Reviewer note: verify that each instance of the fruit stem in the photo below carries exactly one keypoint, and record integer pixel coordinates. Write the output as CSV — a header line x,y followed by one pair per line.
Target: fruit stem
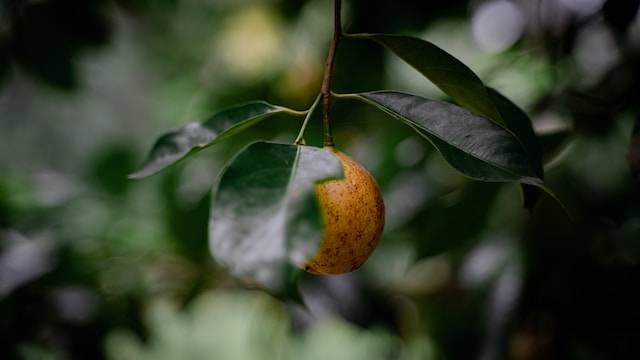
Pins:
x,y
300,138
328,73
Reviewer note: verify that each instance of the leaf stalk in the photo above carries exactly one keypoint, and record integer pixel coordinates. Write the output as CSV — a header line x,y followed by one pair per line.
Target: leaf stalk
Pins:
x,y
300,138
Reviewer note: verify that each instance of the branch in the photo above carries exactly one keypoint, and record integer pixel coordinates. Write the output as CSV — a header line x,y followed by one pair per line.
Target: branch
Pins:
x,y
328,73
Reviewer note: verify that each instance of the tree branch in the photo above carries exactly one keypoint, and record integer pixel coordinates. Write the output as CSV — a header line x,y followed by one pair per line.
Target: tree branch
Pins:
x,y
328,73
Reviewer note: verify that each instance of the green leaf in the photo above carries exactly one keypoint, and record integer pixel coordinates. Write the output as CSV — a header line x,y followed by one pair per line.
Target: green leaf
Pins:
x,y
173,146
519,123
452,76
265,218
475,146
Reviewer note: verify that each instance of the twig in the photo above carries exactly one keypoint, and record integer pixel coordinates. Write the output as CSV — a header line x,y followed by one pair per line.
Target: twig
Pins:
x,y
328,73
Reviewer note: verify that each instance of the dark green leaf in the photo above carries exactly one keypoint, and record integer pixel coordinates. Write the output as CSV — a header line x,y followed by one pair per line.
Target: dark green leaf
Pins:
x,y
265,218
519,123
448,73
475,146
195,136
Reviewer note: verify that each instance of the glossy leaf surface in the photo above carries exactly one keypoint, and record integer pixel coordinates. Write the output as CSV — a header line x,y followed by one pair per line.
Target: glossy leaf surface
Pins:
x,y
475,146
265,218
452,76
173,146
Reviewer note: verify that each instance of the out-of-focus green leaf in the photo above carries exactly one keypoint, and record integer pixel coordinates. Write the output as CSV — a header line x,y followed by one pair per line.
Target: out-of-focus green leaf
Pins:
x,y
452,76
239,325
265,216
519,123
458,226
195,136
475,146
110,167
334,339
250,325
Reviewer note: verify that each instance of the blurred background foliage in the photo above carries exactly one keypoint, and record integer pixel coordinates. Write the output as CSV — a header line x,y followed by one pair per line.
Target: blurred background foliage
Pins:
x,y
95,266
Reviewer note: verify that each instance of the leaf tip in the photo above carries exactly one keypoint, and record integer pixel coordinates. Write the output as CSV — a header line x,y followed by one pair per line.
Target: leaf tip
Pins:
x,y
541,185
141,173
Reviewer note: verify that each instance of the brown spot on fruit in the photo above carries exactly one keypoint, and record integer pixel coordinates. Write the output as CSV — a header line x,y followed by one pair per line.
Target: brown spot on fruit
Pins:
x,y
309,268
353,212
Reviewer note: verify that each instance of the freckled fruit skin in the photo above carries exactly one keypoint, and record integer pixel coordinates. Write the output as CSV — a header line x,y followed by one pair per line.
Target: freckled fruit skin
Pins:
x,y
353,212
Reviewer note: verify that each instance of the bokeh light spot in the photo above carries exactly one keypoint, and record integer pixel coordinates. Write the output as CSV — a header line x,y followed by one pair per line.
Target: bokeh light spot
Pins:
x,y
497,25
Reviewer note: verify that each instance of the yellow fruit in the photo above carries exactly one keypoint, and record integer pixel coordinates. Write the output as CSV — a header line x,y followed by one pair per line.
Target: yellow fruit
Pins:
x,y
353,213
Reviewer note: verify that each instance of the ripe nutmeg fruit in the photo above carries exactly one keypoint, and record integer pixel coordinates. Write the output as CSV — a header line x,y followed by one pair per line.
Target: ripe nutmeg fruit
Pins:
x,y
353,212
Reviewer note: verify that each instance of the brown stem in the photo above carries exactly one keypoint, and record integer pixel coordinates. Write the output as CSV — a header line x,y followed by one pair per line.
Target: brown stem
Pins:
x,y
328,73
